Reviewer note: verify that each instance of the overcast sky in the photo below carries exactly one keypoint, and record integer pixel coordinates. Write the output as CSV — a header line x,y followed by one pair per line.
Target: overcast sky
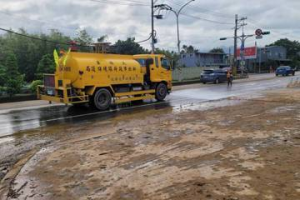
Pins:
x,y
119,19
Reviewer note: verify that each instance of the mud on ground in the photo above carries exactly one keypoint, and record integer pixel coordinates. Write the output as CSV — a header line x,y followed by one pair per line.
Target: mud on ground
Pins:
x,y
249,150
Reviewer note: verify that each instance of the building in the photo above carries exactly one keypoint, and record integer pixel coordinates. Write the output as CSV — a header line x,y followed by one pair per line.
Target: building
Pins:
x,y
263,59
200,59
268,58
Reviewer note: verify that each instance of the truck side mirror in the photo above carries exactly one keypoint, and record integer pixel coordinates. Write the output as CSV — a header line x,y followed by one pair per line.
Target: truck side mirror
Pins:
x,y
173,64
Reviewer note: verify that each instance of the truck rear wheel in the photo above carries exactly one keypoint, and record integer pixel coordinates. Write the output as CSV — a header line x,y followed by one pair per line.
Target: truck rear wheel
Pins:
x,y
102,99
161,92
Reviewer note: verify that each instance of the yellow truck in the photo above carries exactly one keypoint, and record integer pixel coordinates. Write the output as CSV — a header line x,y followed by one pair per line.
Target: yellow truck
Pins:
x,y
105,79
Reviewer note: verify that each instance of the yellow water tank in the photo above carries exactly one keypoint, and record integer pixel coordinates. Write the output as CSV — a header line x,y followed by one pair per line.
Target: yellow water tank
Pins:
x,y
94,69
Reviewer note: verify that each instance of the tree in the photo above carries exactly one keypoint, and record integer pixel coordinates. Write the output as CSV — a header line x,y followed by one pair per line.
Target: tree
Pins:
x,y
14,80
128,47
188,49
171,55
2,75
217,50
83,38
293,49
30,51
102,38
45,66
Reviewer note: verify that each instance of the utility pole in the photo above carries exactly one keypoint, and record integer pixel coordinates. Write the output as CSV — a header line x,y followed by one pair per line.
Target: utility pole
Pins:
x,y
152,27
259,69
238,24
235,45
243,40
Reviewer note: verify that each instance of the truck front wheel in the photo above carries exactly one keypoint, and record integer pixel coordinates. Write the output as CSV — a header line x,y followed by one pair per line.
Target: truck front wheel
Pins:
x,y
161,92
102,99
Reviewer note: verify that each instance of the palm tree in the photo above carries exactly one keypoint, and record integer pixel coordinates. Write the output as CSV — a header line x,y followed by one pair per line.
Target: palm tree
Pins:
x,y
102,38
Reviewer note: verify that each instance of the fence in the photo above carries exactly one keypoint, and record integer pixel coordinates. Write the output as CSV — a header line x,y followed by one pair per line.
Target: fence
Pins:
x,y
188,73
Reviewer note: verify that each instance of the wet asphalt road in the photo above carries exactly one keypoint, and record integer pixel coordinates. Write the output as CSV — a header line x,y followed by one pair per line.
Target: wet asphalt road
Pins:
x,y
19,122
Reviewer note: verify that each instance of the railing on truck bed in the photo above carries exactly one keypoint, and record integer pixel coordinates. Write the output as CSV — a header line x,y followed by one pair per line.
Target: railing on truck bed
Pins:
x,y
63,93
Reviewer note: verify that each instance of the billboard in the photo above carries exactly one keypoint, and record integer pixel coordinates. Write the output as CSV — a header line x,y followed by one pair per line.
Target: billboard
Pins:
x,y
249,53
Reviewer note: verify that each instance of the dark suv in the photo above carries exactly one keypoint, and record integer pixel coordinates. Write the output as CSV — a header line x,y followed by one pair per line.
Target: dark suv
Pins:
x,y
213,76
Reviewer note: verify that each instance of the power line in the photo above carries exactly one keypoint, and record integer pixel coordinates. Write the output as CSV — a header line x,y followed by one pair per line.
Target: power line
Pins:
x,y
57,43
204,10
208,20
37,38
125,3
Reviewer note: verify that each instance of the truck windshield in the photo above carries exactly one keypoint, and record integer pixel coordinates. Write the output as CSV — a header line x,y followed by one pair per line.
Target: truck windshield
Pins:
x,y
165,64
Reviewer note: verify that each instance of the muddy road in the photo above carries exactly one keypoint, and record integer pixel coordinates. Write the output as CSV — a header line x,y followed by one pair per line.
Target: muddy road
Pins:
x,y
202,143
14,121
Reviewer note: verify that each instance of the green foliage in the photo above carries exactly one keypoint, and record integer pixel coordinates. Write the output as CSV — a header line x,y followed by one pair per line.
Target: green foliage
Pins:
x,y
188,49
171,55
2,90
296,62
128,47
83,39
14,80
28,51
102,38
34,84
45,66
217,50
2,75
293,49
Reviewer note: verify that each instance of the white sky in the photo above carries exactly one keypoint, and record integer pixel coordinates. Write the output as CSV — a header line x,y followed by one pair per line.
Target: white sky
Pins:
x,y
119,21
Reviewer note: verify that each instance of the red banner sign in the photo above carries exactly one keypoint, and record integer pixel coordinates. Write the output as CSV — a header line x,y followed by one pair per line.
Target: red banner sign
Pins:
x,y
249,53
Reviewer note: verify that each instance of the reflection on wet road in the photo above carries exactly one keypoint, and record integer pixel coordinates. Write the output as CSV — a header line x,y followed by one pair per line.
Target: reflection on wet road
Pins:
x,y
14,122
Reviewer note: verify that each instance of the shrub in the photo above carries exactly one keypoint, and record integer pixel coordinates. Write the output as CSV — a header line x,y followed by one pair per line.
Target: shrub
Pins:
x,y
34,84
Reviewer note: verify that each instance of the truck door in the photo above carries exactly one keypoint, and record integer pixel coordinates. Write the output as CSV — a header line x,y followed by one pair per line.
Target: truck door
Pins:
x,y
160,70
165,69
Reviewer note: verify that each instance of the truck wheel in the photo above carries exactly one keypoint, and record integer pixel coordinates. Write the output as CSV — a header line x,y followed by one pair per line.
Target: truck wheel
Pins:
x,y
161,92
102,99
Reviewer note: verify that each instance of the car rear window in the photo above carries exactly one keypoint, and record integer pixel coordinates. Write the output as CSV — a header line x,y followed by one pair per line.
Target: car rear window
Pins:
x,y
207,71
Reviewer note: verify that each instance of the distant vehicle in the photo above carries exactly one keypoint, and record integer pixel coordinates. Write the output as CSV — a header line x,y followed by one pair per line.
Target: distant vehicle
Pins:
x,y
285,71
213,76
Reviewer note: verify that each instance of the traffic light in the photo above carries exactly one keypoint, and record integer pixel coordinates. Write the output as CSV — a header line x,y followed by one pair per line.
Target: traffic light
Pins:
x,y
266,33
223,38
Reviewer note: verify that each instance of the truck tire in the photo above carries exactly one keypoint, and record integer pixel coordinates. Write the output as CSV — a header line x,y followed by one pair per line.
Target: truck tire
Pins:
x,y
102,99
161,92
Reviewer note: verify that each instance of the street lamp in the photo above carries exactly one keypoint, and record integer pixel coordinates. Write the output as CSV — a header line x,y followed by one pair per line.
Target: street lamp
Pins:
x,y
177,13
